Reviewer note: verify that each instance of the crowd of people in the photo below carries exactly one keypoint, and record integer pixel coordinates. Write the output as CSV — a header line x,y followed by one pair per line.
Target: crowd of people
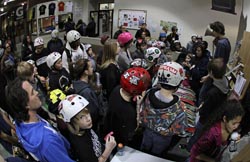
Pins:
x,y
65,102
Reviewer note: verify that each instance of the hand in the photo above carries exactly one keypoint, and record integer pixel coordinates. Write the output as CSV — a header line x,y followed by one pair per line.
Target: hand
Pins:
x,y
110,143
204,79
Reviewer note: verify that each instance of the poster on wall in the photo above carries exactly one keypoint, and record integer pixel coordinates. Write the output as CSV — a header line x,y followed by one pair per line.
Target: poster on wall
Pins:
x,y
167,24
132,19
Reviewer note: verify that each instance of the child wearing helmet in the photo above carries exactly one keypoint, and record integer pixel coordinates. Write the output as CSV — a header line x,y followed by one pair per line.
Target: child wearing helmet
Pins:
x,y
82,72
122,114
55,44
124,58
85,142
74,49
91,55
39,57
162,114
58,78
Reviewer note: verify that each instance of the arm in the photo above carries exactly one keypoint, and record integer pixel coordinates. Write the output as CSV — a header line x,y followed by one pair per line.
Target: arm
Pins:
x,y
205,158
56,152
110,145
65,61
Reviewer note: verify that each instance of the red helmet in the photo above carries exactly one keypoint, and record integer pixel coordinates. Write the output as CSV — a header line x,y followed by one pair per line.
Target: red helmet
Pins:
x,y
124,38
135,80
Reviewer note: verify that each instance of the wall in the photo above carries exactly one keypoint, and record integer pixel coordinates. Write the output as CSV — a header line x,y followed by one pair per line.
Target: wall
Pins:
x,y
192,17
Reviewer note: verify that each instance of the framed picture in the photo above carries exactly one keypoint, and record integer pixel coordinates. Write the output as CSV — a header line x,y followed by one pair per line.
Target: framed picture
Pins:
x,y
132,19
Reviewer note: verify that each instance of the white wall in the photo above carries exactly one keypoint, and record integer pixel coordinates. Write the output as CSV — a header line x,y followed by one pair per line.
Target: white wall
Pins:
x,y
192,17
246,11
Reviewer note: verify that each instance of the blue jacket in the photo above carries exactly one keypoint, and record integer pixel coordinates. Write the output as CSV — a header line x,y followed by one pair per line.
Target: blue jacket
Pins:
x,y
43,142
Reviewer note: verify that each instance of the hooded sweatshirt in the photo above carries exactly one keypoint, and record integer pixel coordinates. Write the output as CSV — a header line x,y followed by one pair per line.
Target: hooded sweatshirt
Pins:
x,y
43,142
162,117
82,88
213,99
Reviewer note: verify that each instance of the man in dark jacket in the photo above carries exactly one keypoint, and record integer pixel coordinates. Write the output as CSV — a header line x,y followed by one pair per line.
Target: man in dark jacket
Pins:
x,y
142,29
214,97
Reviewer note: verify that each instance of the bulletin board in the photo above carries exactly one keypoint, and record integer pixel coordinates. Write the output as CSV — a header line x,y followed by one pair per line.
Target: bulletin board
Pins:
x,y
132,19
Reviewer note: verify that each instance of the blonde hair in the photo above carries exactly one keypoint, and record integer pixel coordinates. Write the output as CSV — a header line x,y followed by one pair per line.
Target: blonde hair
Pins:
x,y
73,127
25,70
109,52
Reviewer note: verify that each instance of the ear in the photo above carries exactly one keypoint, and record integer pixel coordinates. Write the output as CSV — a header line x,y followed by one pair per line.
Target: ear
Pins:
x,y
224,119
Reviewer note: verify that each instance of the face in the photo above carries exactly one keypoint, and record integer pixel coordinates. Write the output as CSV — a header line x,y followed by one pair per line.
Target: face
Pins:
x,y
143,35
198,52
28,39
187,59
74,45
232,125
163,39
169,55
34,101
123,28
83,120
39,49
143,47
58,64
7,47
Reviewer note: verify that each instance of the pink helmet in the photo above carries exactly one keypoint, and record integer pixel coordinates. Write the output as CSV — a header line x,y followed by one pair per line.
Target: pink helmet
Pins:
x,y
124,38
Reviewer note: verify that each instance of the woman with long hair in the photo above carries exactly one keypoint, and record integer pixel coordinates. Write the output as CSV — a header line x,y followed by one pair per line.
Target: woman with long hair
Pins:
x,y
110,72
215,134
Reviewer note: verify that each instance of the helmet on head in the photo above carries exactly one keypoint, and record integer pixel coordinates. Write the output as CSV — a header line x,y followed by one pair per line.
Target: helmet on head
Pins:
x,y
54,33
163,35
138,62
73,35
32,62
52,58
170,73
135,80
159,44
124,38
55,97
71,106
38,41
87,46
152,53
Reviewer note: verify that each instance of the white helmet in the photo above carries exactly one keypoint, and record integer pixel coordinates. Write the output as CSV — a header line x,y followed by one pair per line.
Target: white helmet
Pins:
x,y
32,62
71,106
54,33
170,73
152,53
159,44
38,41
87,46
52,58
73,35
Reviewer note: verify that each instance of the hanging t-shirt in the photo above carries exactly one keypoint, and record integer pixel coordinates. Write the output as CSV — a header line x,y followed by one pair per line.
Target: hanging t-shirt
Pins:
x,y
52,7
68,6
61,6
42,9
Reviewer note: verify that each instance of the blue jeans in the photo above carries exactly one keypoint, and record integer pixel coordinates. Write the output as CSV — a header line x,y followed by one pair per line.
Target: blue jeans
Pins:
x,y
154,142
195,137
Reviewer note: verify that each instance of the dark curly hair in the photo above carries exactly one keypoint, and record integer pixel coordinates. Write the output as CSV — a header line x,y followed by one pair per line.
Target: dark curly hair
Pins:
x,y
17,99
218,27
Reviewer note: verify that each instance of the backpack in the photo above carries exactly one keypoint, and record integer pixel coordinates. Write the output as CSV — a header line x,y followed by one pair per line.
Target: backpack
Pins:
x,y
69,53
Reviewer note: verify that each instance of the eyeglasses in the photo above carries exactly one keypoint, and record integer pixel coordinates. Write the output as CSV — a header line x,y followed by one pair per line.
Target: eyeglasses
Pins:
x,y
7,46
